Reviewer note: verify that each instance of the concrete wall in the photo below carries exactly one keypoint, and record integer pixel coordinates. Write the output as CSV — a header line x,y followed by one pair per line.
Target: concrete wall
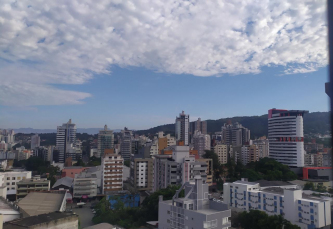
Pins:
x,y
65,223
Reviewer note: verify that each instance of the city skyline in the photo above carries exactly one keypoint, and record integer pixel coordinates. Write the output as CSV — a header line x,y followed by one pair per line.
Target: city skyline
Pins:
x,y
147,68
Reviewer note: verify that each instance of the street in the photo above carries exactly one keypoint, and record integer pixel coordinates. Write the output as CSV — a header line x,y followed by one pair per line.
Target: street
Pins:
x,y
85,214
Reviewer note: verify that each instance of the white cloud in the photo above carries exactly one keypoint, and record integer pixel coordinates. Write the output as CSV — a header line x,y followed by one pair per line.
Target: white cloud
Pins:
x,y
67,42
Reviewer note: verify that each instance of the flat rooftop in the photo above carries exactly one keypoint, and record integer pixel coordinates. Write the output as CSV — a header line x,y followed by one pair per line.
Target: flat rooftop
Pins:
x,y
36,203
34,181
35,220
266,183
6,208
244,182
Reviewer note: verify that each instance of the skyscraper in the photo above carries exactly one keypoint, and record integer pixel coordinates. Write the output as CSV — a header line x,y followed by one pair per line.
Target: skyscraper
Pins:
x,y
126,144
35,141
105,140
286,137
182,128
66,136
235,134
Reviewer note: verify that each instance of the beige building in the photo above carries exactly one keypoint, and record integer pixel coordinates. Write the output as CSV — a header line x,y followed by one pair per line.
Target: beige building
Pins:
x,y
222,153
30,185
209,170
250,153
112,175
141,173
318,160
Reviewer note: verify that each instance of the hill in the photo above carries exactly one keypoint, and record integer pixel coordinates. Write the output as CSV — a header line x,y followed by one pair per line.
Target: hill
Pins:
x,y
315,122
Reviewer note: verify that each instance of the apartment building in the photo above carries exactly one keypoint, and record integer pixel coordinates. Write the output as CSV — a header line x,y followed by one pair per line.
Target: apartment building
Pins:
x,y
11,178
31,185
222,152
24,154
303,210
250,153
235,134
126,144
209,170
327,159
105,140
112,176
142,172
318,160
263,147
286,136
85,184
195,211
177,168
309,159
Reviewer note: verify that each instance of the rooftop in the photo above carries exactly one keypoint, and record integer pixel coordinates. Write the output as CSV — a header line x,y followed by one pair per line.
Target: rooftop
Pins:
x,y
103,226
245,182
35,220
7,208
36,203
266,183
274,190
33,181
66,181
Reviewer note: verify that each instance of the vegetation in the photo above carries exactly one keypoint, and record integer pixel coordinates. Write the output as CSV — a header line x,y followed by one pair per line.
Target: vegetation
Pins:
x,y
256,219
265,168
127,163
319,188
132,217
94,161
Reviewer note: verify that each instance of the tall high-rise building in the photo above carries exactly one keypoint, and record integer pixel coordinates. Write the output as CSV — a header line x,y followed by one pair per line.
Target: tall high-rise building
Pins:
x,y
235,134
126,144
112,174
105,140
286,137
35,141
66,136
198,126
182,128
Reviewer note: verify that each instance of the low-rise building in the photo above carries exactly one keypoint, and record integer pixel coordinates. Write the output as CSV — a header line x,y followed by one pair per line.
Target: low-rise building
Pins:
x,y
30,185
72,171
194,211
298,208
64,183
85,185
63,220
37,203
11,178
8,211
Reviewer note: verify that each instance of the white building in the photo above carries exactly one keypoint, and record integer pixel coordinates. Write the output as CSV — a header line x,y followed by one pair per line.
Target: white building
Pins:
x,y
66,137
105,140
286,137
303,210
182,128
35,141
85,184
11,178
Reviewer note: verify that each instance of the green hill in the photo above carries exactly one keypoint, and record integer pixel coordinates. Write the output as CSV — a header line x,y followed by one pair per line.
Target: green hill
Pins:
x,y
316,122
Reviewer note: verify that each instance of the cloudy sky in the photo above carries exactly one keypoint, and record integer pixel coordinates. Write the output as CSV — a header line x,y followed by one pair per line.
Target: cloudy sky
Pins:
x,y
139,63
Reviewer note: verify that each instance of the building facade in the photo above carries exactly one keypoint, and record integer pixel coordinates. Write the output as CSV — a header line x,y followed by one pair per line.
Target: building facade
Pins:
x,y
250,153
11,178
85,184
235,134
195,211
142,173
112,176
66,137
222,151
263,147
286,137
105,141
182,128
126,144
303,210
35,141
30,185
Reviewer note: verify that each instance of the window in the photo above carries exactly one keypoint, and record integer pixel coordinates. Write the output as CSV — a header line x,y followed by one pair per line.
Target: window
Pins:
x,y
8,183
8,178
13,183
18,178
299,202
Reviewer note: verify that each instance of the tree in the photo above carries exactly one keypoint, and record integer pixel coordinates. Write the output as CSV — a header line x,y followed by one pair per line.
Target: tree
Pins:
x,y
321,188
309,186
80,163
127,163
33,163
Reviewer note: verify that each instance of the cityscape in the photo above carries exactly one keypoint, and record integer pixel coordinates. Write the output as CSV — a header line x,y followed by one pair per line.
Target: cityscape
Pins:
x,y
166,114
222,174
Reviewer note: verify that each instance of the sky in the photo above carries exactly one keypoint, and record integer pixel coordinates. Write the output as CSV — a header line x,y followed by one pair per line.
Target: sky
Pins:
x,y
140,63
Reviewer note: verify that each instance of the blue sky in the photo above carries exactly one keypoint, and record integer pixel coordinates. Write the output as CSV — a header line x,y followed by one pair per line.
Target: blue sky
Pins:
x,y
140,98
140,63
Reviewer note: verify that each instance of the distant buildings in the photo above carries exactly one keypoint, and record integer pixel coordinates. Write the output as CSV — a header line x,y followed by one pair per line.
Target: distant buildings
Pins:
x,y
182,128
66,137
105,141
194,211
263,147
286,137
197,126
249,153
279,199
235,134
35,141
112,175
8,136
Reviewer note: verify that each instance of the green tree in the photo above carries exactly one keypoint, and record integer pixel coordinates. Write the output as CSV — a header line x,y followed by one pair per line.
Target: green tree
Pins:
x,y
308,186
127,163
33,163
80,163
321,188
